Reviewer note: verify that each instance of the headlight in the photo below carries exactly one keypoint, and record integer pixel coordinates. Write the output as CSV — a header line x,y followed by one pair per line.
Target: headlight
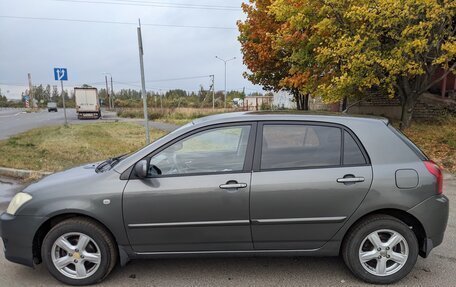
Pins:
x,y
18,200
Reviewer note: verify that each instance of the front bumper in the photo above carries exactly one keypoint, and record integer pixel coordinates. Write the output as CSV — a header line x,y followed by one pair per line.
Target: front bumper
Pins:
x,y
433,215
17,233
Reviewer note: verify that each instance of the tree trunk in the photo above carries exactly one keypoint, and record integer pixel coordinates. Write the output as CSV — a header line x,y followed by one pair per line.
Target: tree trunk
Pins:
x,y
408,105
306,102
302,101
344,103
409,95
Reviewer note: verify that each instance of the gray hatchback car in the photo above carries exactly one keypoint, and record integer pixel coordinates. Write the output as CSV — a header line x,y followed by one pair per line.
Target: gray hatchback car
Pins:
x,y
239,184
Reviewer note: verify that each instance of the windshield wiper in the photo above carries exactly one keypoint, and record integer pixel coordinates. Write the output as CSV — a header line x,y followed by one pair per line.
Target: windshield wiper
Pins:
x,y
109,163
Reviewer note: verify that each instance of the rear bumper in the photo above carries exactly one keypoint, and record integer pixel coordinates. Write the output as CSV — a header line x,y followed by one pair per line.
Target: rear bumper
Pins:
x,y
91,114
17,233
433,215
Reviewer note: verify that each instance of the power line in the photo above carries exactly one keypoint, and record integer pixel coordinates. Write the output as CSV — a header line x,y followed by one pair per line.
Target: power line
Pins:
x,y
13,84
178,79
133,83
157,4
114,22
183,4
166,80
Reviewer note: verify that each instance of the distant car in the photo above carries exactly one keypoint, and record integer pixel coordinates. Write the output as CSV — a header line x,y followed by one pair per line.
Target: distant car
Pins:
x,y
52,107
239,184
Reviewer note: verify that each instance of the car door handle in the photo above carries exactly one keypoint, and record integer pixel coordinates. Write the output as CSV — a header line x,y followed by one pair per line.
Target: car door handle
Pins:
x,y
350,179
233,185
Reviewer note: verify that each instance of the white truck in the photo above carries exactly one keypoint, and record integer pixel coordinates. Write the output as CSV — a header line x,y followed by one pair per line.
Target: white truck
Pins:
x,y
87,103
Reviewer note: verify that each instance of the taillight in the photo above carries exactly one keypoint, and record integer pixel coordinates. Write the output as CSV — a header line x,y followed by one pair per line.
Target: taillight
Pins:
x,y
435,170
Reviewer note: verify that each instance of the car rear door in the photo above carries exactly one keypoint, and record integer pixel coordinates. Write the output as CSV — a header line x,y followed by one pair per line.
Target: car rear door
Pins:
x,y
200,202
308,179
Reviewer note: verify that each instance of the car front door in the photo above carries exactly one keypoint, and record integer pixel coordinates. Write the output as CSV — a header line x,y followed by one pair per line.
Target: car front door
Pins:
x,y
197,195
307,181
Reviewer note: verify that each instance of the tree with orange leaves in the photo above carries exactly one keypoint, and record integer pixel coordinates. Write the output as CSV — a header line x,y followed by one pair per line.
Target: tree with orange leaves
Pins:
x,y
268,56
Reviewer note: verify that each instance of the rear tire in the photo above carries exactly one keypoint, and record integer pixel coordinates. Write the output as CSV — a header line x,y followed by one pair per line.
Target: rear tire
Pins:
x,y
79,251
380,249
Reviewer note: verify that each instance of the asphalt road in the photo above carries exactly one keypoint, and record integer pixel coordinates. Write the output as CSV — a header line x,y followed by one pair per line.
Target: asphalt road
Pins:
x,y
14,121
437,270
17,120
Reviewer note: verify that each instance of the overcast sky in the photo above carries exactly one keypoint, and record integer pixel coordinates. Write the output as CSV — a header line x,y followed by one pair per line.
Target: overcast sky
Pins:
x,y
89,49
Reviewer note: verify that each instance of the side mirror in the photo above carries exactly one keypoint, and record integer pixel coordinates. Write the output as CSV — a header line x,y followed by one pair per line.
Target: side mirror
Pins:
x,y
142,168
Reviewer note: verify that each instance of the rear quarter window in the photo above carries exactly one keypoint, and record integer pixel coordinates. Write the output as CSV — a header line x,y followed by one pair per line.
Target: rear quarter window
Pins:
x,y
409,143
352,152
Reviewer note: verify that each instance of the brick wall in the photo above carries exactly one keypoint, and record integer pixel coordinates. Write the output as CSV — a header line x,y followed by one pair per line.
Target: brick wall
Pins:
x,y
429,106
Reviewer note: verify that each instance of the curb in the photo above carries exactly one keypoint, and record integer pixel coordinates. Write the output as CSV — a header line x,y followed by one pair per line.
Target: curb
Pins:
x,y
22,173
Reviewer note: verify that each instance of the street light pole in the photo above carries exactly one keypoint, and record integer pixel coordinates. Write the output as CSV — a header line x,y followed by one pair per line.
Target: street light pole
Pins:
x,y
213,92
224,61
107,90
110,95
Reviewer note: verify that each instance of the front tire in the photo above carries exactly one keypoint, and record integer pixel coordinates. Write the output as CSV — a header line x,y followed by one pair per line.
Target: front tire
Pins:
x,y
380,249
79,251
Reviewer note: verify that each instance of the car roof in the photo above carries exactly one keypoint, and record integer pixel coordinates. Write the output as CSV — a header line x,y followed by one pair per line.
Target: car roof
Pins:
x,y
286,116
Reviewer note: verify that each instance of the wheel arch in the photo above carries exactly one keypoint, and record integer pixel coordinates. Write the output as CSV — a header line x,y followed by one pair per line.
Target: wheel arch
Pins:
x,y
46,226
414,224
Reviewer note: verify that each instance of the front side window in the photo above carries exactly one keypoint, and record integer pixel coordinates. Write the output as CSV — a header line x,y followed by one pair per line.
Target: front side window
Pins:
x,y
299,146
216,150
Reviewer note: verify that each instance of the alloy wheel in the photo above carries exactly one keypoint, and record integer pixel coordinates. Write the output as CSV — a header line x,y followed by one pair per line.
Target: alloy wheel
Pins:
x,y
383,252
76,255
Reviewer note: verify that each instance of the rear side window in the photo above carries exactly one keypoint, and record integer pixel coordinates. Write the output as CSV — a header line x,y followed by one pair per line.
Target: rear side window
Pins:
x,y
409,143
352,152
298,146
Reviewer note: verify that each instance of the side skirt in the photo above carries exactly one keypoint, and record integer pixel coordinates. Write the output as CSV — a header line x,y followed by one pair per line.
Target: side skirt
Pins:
x,y
329,249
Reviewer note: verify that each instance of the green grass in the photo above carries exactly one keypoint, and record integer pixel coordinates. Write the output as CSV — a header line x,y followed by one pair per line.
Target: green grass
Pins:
x,y
57,148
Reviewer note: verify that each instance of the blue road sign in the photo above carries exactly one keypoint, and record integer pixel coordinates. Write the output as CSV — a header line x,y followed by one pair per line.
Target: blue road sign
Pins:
x,y
60,74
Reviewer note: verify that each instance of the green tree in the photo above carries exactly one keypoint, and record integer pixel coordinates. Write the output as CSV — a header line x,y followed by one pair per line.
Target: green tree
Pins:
x,y
102,95
69,103
372,47
55,94
3,99
38,94
47,93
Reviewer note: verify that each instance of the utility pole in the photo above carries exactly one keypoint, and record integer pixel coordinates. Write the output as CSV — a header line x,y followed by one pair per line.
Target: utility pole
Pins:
x,y
213,92
107,91
112,94
30,90
224,61
143,83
